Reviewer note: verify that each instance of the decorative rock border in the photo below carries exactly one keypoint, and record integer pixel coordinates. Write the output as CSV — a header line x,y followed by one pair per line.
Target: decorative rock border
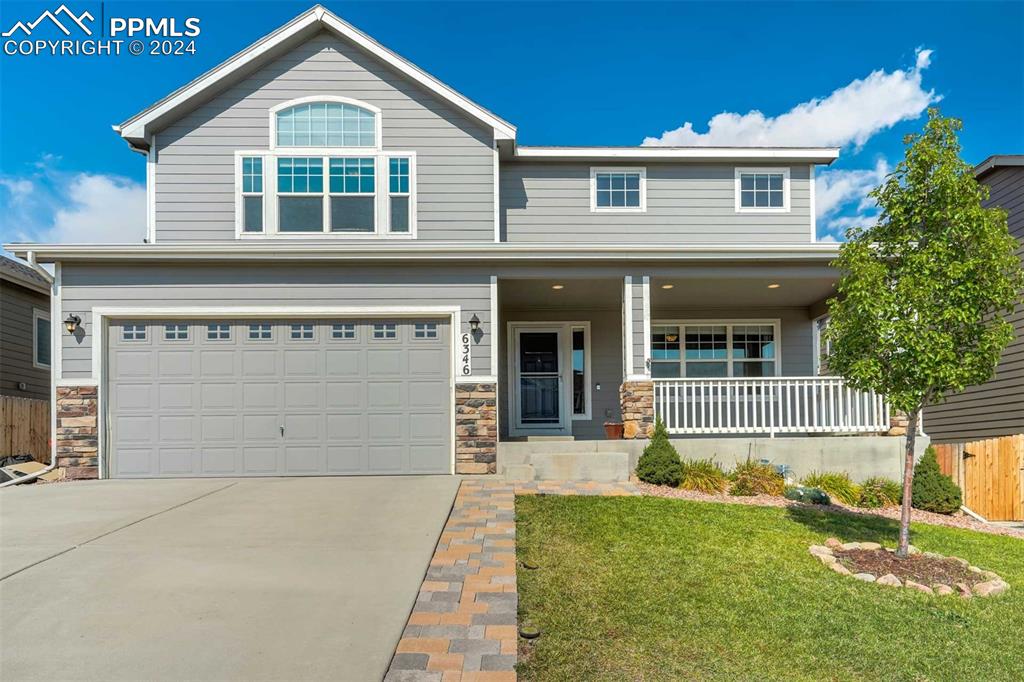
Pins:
x,y
992,585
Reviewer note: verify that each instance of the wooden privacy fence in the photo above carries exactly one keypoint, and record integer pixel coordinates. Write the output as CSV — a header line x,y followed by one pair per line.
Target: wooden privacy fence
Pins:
x,y
26,427
991,474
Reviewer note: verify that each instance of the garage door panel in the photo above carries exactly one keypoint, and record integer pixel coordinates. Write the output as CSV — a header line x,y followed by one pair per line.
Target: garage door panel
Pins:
x,y
354,397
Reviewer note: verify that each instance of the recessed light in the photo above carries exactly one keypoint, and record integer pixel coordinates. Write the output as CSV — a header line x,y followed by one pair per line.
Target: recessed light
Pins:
x,y
557,287
774,286
667,286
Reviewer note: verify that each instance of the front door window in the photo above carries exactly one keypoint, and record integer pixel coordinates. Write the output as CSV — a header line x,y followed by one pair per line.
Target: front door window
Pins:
x,y
539,378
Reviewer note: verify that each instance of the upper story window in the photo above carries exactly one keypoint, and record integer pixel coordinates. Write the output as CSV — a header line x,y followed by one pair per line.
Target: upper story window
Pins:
x,y
762,190
326,124
618,190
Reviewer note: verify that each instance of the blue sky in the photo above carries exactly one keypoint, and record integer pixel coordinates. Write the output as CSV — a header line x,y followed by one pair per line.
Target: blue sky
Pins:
x,y
857,75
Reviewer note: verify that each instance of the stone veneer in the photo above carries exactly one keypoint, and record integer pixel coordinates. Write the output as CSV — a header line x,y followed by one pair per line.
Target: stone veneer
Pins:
x,y
898,423
77,435
476,428
637,401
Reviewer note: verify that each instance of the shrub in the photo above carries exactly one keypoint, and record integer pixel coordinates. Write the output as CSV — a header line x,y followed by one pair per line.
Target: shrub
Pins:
x,y
752,478
703,475
802,493
932,491
836,483
659,464
879,492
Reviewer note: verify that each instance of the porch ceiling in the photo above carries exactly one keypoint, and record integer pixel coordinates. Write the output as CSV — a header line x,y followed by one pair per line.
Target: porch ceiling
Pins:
x,y
739,292
581,294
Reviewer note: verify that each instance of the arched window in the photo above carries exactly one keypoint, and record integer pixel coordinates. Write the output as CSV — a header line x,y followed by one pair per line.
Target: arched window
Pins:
x,y
326,124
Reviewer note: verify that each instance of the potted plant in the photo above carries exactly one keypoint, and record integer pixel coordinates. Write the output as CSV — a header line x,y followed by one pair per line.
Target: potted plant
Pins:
x,y
613,430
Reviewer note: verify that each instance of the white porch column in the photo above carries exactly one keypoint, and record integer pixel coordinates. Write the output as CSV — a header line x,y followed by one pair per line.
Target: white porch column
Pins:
x,y
636,395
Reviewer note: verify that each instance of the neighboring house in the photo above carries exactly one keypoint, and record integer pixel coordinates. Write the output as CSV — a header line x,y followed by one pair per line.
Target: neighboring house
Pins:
x,y
24,331
995,408
353,269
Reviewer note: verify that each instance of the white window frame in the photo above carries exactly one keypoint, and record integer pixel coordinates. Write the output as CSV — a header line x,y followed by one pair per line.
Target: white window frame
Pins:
x,y
594,170
37,315
743,170
318,151
188,332
729,360
242,194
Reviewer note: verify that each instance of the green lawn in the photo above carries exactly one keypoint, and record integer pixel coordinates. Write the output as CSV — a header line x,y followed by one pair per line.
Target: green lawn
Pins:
x,y
647,588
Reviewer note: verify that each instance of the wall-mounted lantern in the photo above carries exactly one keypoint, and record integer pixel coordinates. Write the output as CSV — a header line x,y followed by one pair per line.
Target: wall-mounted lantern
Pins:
x,y
71,323
474,324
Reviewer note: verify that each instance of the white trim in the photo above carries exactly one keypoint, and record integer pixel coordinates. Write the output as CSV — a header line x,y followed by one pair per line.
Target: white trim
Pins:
x,y
497,194
77,382
588,371
564,330
816,341
775,170
594,208
57,325
151,161
135,127
814,211
378,129
647,324
627,335
805,154
102,315
38,314
495,323
280,250
728,323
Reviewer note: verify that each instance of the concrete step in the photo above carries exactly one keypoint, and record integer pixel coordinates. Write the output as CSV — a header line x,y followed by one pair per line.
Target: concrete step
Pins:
x,y
550,439
603,467
519,472
514,451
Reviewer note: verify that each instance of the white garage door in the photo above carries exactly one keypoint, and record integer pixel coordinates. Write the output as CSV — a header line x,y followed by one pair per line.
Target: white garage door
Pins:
x,y
278,397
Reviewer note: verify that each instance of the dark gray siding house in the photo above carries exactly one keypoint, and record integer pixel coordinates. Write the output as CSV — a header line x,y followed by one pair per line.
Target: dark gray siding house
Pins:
x,y
24,331
995,408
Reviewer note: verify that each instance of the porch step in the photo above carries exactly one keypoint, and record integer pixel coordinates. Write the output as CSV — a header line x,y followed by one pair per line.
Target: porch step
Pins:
x,y
602,467
550,439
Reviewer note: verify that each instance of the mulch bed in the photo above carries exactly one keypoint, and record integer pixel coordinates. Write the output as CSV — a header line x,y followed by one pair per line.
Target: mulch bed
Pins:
x,y
920,568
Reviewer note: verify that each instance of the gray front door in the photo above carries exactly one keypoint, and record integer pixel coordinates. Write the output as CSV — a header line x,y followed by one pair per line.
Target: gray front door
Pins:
x,y
278,397
539,397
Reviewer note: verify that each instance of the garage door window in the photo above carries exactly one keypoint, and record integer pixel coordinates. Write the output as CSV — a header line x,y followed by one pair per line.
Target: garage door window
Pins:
x,y
260,332
385,331
427,330
302,332
344,330
218,332
133,332
176,332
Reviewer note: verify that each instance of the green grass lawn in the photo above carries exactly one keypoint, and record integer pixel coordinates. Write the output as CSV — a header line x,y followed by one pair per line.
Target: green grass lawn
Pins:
x,y
647,588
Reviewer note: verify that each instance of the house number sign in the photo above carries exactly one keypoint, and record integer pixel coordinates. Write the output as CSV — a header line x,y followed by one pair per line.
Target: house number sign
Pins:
x,y
465,356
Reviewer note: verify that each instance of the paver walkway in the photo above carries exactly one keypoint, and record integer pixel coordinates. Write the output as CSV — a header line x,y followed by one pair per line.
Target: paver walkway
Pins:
x,y
463,626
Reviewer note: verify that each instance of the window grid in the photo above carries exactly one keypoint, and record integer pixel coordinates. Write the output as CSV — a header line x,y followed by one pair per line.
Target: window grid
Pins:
x,y
425,330
343,330
352,176
385,331
398,175
300,175
617,190
176,332
262,331
218,331
714,350
252,175
302,331
133,332
762,190
326,124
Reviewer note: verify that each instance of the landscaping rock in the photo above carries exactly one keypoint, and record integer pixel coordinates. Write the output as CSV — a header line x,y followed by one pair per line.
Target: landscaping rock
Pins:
x,y
912,550
918,586
932,555
964,589
870,545
847,546
826,558
991,588
890,580
866,577
833,543
839,568
942,590
820,549
963,562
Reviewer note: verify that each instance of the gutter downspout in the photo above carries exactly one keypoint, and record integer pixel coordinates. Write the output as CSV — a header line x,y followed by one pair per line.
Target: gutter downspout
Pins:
x,y
54,339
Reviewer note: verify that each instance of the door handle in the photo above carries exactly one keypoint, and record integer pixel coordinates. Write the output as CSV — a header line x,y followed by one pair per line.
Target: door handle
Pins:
x,y
282,429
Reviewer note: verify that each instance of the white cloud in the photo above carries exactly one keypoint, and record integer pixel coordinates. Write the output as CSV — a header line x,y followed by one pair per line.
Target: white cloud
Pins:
x,y
850,114
54,206
841,198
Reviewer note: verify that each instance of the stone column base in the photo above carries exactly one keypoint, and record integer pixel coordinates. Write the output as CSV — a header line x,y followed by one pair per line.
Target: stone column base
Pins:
x,y
637,401
898,423
476,428
77,436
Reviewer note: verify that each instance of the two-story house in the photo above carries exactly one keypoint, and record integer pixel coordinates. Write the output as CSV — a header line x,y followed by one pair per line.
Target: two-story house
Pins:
x,y
353,269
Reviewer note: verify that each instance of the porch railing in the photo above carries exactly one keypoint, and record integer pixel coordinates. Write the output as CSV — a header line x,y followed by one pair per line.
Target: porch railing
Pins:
x,y
768,405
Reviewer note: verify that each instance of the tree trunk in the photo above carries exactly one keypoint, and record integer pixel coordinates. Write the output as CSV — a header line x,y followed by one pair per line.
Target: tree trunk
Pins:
x,y
908,481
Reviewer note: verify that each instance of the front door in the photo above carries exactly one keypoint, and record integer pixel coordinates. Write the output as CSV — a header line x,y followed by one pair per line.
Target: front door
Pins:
x,y
539,400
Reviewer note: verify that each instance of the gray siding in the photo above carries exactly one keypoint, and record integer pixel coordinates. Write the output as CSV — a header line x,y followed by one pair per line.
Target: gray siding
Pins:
x,y
16,342
195,167
686,204
639,336
309,285
995,408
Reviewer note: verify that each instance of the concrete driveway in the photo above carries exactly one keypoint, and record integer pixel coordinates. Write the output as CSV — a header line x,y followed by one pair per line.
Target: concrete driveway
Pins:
x,y
257,579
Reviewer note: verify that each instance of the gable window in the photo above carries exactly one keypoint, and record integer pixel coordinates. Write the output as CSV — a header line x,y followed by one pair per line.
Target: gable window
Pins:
x,y
300,189
352,184
618,190
762,190
326,124
252,194
176,332
40,339
398,194
714,349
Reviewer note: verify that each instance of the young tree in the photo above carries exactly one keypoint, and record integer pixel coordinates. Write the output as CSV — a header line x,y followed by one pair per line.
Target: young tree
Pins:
x,y
922,299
